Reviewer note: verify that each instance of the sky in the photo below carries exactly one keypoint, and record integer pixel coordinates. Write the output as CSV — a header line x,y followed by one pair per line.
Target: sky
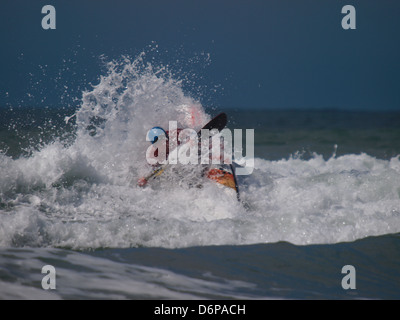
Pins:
x,y
269,54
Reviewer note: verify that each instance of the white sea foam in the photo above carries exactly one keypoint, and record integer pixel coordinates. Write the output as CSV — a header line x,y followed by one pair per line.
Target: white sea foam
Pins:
x,y
85,195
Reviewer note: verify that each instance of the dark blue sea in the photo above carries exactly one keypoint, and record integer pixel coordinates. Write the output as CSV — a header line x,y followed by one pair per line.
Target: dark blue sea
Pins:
x,y
324,194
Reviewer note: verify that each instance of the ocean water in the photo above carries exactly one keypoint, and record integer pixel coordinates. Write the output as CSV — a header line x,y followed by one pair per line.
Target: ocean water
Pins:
x,y
324,193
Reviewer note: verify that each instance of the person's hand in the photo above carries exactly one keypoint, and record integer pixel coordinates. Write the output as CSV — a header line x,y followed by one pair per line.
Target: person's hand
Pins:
x,y
142,182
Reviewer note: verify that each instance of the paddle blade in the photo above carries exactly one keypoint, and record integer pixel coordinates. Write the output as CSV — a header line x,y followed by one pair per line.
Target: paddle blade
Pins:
x,y
219,122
